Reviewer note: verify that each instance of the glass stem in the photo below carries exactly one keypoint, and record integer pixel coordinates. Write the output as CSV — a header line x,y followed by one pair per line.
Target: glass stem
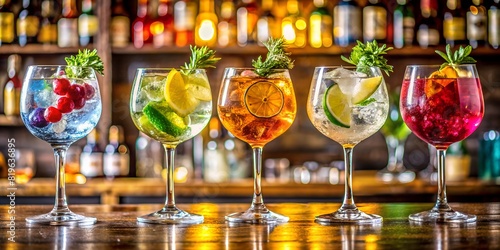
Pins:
x,y
442,202
400,151
348,203
392,147
61,204
169,161
257,173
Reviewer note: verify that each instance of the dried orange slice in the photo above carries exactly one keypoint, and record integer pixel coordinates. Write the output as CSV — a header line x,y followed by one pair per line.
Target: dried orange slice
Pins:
x,y
264,99
440,79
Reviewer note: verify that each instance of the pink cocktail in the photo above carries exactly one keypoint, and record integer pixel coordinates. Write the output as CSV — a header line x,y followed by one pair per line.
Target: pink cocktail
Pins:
x,y
441,109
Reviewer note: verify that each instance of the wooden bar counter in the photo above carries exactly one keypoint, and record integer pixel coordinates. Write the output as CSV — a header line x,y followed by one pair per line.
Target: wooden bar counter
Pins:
x,y
117,229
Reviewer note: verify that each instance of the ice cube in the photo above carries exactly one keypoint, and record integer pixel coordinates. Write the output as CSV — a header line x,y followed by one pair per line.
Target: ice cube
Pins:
x,y
346,79
45,98
154,89
60,126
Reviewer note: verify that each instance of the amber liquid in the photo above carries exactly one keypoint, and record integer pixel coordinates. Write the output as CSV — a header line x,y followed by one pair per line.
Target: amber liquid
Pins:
x,y
237,119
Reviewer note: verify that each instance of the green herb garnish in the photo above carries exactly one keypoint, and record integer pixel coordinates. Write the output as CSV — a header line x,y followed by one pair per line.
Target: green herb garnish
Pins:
x,y
85,58
200,58
460,56
276,58
369,55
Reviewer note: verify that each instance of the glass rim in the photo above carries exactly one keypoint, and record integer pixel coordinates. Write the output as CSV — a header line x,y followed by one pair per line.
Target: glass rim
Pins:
x,y
58,65
341,66
438,65
162,68
249,68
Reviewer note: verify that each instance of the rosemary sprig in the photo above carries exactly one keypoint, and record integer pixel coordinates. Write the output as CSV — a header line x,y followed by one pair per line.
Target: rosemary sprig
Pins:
x,y
460,56
369,55
85,58
200,58
277,58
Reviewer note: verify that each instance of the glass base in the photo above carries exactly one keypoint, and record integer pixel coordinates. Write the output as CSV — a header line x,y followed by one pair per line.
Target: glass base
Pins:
x,y
261,215
67,218
353,216
406,176
436,216
171,216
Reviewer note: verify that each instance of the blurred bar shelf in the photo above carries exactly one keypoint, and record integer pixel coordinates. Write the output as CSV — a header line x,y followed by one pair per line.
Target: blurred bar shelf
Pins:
x,y
38,49
366,189
10,121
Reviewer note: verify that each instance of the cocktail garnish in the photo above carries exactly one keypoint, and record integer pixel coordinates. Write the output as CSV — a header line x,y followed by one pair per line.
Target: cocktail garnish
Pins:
x,y
460,56
85,58
200,58
369,55
277,58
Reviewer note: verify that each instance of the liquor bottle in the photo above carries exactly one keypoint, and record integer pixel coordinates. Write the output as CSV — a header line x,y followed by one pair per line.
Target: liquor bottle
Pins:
x,y
91,156
267,24
215,168
119,32
226,29
141,25
7,32
320,26
404,24
184,22
494,24
454,23
346,23
88,24
294,25
67,26
149,155
12,87
116,154
458,162
476,24
375,21
28,22
206,25
247,15
48,25
428,31
162,29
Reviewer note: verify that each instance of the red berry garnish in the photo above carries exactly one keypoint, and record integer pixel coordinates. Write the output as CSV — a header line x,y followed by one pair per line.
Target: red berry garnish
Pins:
x,y
61,86
65,104
52,114
79,103
76,92
89,91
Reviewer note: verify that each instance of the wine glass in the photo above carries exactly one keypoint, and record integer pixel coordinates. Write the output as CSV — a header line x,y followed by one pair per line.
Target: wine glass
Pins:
x,y
170,107
60,108
348,106
440,111
256,110
395,133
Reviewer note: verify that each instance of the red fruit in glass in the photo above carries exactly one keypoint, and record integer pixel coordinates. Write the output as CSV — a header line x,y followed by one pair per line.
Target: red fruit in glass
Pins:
x,y
89,91
79,103
76,92
61,86
65,104
52,114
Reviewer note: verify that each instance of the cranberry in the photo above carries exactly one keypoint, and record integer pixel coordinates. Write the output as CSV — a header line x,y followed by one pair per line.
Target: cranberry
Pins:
x,y
79,103
52,114
65,104
61,86
76,92
89,91
36,118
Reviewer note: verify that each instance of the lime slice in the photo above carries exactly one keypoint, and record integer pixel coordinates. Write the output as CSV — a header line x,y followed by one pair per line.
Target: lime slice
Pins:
x,y
176,95
365,89
163,119
336,107
264,99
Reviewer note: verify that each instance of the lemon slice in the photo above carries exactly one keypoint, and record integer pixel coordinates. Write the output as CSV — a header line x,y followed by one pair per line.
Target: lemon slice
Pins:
x,y
264,99
364,89
197,85
163,120
336,107
177,96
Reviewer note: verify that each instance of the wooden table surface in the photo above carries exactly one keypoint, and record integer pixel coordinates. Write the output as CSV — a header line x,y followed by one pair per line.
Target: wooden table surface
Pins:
x,y
117,229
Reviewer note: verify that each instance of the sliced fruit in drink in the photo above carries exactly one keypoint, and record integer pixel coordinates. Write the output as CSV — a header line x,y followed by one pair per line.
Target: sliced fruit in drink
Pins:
x,y
177,96
336,107
163,119
365,88
264,99
446,72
